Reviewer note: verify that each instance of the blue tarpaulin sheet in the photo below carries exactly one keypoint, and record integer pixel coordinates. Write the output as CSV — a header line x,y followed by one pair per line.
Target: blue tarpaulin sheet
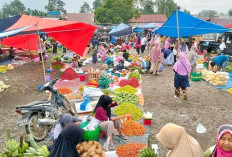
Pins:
x,y
120,30
188,26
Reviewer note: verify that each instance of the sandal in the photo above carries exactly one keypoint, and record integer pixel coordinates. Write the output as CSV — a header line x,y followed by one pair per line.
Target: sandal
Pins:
x,y
111,147
124,137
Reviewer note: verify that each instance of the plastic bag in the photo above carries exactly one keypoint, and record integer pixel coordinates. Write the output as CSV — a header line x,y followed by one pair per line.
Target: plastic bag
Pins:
x,y
106,144
201,129
161,67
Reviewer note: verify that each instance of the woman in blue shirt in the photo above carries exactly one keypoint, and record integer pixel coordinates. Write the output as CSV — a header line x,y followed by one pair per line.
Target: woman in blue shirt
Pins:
x,y
221,61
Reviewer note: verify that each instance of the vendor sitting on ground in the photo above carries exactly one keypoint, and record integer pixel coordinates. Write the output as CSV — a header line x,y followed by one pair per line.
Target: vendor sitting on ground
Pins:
x,y
166,52
11,53
101,52
224,143
65,146
108,123
221,62
77,61
103,70
120,66
111,49
64,120
125,55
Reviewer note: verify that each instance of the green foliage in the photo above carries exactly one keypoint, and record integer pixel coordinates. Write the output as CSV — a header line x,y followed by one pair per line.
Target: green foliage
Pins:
x,y
148,7
116,11
166,7
55,5
85,8
15,7
186,11
35,12
230,12
207,13
97,4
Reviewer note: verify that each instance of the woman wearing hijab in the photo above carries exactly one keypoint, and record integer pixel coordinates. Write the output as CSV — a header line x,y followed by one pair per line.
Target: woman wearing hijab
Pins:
x,y
107,122
66,143
155,54
167,43
224,143
193,56
176,139
181,68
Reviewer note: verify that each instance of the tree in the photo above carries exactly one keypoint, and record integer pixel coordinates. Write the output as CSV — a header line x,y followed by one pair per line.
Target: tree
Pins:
x,y
230,12
148,7
116,11
97,4
35,12
55,5
85,8
207,13
186,11
14,8
166,7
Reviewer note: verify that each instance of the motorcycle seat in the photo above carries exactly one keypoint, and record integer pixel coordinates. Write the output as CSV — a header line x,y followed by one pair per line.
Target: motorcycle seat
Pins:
x,y
35,103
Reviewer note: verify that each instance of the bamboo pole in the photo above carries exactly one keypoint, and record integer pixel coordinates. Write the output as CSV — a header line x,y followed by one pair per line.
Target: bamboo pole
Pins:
x,y
178,30
28,47
41,53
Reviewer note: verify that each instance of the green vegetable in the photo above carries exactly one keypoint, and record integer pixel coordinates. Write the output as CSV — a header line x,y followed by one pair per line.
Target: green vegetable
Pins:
x,y
147,152
126,97
127,89
124,108
108,92
135,74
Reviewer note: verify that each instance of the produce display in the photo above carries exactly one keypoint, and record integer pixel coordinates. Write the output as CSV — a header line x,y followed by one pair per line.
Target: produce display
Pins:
x,y
127,89
135,67
58,65
108,91
134,82
124,108
73,96
90,149
69,74
200,61
229,90
56,58
64,90
147,152
3,86
126,97
14,148
130,150
229,67
104,81
135,74
132,128
3,68
67,83
216,79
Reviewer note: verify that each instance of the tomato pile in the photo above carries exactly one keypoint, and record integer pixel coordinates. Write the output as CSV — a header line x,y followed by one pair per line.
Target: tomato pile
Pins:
x,y
129,150
132,128
64,90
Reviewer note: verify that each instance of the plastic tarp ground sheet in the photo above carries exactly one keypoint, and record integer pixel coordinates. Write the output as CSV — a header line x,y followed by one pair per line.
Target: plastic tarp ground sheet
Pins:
x,y
120,30
188,26
75,36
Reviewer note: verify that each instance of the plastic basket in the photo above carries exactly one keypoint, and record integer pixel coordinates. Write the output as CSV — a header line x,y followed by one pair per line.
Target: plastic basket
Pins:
x,y
90,135
196,76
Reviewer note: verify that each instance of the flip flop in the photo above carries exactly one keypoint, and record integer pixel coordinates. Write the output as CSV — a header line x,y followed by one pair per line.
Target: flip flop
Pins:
x,y
123,137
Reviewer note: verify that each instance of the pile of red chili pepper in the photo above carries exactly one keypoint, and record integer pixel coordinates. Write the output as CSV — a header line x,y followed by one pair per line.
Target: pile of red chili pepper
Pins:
x,y
132,128
69,74
129,150
134,82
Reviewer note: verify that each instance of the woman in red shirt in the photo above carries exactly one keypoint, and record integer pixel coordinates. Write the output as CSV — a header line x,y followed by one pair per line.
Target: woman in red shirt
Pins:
x,y
107,122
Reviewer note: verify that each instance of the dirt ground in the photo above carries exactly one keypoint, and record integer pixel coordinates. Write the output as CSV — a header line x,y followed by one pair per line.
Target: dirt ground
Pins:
x,y
206,104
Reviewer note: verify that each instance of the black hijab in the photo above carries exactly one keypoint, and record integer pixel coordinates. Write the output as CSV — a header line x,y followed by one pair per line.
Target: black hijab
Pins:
x,y
66,143
104,102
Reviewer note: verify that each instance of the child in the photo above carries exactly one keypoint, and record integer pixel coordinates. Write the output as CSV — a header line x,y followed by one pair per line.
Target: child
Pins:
x,y
181,68
224,143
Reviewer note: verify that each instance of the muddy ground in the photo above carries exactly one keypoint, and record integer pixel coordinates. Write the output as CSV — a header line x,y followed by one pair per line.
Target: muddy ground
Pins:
x,y
206,104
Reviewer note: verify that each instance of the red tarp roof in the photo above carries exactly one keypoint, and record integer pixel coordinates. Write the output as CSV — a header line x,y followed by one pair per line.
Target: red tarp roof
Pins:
x,y
74,36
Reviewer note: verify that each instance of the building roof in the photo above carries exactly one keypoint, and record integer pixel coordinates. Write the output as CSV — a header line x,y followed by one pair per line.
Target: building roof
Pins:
x,y
221,21
148,18
81,17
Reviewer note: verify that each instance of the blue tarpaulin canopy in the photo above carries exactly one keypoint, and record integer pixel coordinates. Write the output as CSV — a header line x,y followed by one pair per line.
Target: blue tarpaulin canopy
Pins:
x,y
188,26
147,26
120,30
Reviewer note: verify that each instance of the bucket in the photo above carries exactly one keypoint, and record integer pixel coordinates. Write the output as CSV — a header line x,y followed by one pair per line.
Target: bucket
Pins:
x,y
82,77
90,135
147,122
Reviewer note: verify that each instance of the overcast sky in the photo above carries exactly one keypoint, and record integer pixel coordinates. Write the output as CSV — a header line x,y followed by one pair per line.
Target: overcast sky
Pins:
x,y
194,6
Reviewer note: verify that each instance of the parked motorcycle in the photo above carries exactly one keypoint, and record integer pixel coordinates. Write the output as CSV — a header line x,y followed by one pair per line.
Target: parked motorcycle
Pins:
x,y
38,117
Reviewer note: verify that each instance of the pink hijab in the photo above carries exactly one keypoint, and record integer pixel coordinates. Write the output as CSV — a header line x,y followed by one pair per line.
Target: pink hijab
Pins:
x,y
182,66
221,131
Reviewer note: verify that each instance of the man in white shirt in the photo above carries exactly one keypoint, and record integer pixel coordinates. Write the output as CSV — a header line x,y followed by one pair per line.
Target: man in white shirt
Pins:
x,y
222,46
143,43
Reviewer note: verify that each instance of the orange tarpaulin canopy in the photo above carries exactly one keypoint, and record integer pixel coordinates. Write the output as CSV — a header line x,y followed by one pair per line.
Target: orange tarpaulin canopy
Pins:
x,y
74,36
